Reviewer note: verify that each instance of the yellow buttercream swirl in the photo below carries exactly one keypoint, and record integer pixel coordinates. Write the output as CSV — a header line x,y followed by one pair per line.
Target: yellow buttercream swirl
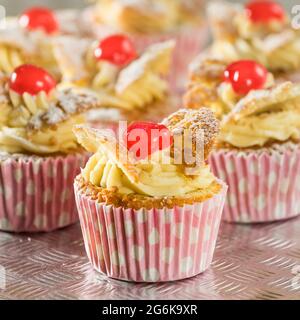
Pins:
x,y
283,58
261,129
140,93
247,29
10,58
19,110
275,45
155,179
105,76
24,106
13,56
48,141
102,74
276,122
143,92
135,85
228,98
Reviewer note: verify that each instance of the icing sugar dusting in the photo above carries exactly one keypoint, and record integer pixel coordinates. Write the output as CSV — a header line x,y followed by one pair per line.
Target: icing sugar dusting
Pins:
x,y
137,68
64,104
68,103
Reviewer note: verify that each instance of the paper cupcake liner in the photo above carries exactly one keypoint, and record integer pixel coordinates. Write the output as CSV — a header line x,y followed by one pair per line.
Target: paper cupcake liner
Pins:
x,y
263,186
150,245
36,193
189,42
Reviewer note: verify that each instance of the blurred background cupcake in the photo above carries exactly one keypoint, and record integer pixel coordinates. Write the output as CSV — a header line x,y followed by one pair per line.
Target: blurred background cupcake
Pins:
x,y
260,30
129,84
151,21
145,216
258,149
29,40
39,156
43,17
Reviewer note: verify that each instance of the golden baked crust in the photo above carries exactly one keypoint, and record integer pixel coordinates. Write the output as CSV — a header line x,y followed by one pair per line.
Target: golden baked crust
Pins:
x,y
259,101
194,121
208,69
136,201
204,79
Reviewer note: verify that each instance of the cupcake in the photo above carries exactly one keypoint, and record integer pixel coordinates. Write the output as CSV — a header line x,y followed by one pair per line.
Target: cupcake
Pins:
x,y
129,85
260,30
208,85
29,39
258,153
39,154
148,213
148,22
50,22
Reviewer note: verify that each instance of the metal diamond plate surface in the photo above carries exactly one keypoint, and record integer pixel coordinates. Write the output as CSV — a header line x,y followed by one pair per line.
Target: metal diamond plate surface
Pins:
x,y
251,262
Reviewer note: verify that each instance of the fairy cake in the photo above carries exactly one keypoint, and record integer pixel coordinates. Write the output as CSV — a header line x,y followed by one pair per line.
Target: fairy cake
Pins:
x,y
260,30
130,83
258,148
127,199
39,152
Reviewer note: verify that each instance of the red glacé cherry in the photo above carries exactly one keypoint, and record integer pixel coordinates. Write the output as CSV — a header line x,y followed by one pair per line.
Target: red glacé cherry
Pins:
x,y
31,79
245,75
265,11
156,137
39,18
116,49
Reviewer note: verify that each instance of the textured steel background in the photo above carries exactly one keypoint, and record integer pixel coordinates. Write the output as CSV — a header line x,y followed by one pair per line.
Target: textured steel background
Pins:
x,y
251,262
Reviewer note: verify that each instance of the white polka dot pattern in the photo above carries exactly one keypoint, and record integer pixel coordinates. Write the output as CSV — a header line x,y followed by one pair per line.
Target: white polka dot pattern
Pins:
x,y
128,228
137,253
263,185
153,237
18,175
167,254
20,208
170,244
36,195
186,264
243,185
30,188
151,275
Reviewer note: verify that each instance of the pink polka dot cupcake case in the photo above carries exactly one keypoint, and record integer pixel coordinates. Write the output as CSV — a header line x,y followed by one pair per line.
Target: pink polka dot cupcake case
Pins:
x,y
137,224
263,184
36,193
39,155
150,245
257,151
